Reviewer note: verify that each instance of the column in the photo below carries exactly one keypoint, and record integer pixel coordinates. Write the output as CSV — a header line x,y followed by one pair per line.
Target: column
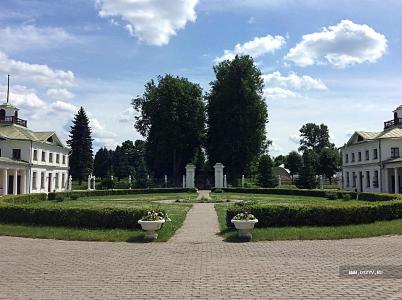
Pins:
x,y
184,181
218,175
15,182
225,183
89,182
190,175
396,181
51,182
23,182
322,182
386,183
5,181
279,181
242,181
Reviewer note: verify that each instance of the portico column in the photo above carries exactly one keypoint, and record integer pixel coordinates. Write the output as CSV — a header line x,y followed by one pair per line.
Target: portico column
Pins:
x,y
386,184
15,182
5,181
23,182
396,180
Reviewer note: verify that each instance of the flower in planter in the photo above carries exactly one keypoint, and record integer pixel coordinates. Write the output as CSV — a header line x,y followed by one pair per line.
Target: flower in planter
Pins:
x,y
244,216
155,215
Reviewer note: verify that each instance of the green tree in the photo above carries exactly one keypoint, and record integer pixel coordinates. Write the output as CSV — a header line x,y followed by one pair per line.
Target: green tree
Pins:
x,y
237,115
314,137
279,160
329,162
172,119
265,176
293,163
120,163
102,163
80,142
307,176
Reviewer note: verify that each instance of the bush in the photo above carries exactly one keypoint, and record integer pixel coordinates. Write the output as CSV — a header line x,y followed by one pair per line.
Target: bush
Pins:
x,y
106,184
320,215
21,199
72,216
218,191
331,196
346,196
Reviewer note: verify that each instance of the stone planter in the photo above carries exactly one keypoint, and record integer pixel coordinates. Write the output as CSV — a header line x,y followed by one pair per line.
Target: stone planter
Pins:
x,y
244,227
150,228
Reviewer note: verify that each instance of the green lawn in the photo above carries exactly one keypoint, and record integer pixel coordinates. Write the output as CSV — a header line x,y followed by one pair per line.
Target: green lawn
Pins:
x,y
305,232
176,212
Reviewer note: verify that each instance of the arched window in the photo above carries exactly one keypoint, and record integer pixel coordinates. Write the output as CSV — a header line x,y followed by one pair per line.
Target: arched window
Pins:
x,y
2,114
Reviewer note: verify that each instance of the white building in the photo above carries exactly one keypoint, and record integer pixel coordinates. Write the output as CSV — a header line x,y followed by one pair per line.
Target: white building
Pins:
x,y
371,160
30,162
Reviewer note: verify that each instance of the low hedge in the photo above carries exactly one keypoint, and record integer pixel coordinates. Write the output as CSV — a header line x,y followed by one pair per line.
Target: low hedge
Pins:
x,y
23,199
315,193
319,215
71,216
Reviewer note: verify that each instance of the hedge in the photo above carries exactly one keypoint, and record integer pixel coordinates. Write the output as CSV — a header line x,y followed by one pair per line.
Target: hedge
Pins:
x,y
319,215
71,216
314,193
23,199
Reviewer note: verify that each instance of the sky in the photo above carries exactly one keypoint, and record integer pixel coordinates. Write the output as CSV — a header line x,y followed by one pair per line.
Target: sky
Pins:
x,y
333,62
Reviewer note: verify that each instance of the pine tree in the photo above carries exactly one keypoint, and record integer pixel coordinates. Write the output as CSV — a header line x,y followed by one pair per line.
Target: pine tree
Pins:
x,y
80,142
307,179
102,163
265,176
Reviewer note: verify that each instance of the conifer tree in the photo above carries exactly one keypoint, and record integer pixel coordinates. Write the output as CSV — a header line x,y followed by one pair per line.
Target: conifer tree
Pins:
x,y
80,142
102,163
307,179
265,176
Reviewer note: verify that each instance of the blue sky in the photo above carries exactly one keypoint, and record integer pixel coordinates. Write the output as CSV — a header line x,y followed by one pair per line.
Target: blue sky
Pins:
x,y
336,62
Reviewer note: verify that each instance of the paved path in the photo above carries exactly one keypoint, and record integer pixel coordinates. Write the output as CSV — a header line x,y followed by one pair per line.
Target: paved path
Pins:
x,y
195,264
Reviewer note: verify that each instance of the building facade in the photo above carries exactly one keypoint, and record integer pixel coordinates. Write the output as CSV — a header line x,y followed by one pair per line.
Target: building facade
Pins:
x,y
371,161
30,162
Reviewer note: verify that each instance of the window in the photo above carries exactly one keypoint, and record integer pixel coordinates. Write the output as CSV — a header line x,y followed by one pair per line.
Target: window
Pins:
x,y
57,180
64,159
17,154
359,156
368,178
35,155
43,156
50,157
346,158
375,179
367,155
354,179
347,179
34,180
394,152
63,179
353,157
0,152
375,154
42,180
57,158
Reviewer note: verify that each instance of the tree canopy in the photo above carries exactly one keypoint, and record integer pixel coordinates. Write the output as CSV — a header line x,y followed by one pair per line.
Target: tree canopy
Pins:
x,y
236,116
293,163
314,137
103,163
265,176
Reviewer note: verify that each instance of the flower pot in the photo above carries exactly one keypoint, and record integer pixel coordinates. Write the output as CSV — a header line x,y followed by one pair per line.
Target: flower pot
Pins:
x,y
244,227
150,228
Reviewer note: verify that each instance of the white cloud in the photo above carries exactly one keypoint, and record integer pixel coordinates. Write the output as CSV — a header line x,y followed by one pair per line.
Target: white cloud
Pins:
x,y
341,45
255,48
295,138
128,115
294,82
30,36
62,106
153,22
59,93
279,93
25,98
41,74
101,136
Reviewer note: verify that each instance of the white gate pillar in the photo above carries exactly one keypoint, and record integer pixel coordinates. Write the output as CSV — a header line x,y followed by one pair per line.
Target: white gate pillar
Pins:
x,y
5,181
219,175
321,182
190,176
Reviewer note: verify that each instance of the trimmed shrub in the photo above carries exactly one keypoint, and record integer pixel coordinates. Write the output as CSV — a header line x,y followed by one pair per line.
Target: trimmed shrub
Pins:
x,y
331,196
71,216
25,198
320,215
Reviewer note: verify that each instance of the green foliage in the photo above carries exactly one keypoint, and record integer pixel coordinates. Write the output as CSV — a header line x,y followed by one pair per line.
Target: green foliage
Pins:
x,y
80,142
294,162
103,163
320,214
331,196
23,199
280,160
120,163
314,137
265,177
237,115
298,192
329,162
172,119
106,184
307,178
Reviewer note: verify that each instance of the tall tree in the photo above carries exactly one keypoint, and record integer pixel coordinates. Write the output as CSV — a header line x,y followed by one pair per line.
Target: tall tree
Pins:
x,y
102,163
265,176
329,162
237,115
307,177
80,142
172,119
314,137
279,160
293,163
120,163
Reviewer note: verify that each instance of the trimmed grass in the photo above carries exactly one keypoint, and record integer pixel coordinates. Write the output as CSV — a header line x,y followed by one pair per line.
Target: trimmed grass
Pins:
x,y
176,212
311,232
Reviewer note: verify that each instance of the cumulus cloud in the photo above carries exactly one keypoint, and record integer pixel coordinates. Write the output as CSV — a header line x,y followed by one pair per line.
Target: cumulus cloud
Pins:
x,y
30,36
127,116
101,136
255,48
24,98
41,74
341,45
59,93
280,86
62,106
153,22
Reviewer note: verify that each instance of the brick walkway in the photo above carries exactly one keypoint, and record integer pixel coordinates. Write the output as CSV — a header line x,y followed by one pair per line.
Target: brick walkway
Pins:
x,y
194,264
